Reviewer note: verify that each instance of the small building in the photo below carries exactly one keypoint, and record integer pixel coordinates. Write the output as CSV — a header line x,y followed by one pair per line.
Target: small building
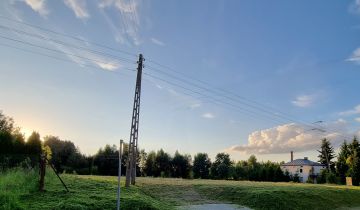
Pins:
x,y
304,168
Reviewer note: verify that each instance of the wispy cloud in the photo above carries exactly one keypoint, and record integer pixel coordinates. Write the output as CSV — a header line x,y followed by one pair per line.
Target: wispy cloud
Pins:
x,y
304,100
355,56
355,110
128,18
288,137
357,119
355,7
107,66
77,55
195,105
157,42
38,6
78,7
208,115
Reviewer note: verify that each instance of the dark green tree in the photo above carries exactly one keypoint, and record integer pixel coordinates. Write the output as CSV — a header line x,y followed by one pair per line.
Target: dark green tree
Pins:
x,y
107,160
162,166
202,164
327,154
220,169
181,165
150,164
33,148
354,161
341,166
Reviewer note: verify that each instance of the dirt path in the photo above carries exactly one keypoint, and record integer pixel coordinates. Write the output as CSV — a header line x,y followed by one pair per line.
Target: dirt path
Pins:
x,y
182,193
212,207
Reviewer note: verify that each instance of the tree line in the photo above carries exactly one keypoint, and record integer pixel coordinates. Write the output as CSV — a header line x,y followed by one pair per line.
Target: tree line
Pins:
x,y
67,158
347,162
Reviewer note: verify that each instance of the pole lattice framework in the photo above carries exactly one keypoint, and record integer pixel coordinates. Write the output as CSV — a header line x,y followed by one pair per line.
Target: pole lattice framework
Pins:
x,y
133,143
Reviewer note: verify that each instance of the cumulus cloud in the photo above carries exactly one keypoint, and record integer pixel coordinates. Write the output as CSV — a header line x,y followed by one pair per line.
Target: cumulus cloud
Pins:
x,y
208,115
38,6
128,18
355,110
78,7
288,137
355,56
304,100
157,42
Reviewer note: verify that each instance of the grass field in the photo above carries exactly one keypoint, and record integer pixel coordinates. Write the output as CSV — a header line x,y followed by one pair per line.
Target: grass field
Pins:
x,y
18,191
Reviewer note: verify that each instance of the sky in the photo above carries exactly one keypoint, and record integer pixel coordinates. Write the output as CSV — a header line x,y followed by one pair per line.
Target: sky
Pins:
x,y
296,59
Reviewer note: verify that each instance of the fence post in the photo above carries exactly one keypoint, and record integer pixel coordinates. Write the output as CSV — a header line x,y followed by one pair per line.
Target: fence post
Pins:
x,y
42,168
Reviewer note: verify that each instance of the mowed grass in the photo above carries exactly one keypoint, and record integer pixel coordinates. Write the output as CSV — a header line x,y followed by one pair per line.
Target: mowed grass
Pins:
x,y
18,191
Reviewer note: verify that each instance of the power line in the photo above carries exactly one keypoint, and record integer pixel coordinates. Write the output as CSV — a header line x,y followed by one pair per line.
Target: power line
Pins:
x,y
60,59
241,109
54,50
212,98
67,35
221,95
255,105
258,107
64,43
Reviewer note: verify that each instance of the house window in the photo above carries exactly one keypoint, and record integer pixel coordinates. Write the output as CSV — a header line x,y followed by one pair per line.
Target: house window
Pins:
x,y
300,170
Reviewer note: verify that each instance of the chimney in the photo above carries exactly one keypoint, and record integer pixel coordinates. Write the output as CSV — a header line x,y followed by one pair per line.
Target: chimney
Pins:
x,y
292,156
305,158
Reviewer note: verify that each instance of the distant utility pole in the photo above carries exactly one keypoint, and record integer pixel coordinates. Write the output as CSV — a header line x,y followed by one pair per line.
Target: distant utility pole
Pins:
x,y
133,149
119,174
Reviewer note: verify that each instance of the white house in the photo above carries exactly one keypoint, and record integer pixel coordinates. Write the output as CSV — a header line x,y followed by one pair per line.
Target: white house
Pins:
x,y
303,167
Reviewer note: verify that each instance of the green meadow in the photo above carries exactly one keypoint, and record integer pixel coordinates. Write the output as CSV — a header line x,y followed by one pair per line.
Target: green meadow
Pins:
x,y
18,190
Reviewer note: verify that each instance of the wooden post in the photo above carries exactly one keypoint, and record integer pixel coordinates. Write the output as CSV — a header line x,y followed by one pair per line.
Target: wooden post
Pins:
x,y
42,168
349,181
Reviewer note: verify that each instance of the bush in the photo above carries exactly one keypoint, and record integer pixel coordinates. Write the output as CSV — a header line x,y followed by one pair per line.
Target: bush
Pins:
x,y
331,178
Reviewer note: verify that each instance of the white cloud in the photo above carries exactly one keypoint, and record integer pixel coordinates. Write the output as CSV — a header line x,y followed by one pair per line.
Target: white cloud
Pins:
x,y
291,137
357,119
304,100
107,66
355,110
38,6
195,105
355,56
128,18
159,86
79,8
208,115
157,42
355,7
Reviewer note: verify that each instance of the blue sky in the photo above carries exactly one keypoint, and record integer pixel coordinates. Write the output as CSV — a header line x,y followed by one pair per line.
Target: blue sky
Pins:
x,y
299,58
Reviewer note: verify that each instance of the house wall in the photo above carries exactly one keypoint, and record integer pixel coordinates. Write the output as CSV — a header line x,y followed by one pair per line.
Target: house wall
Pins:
x,y
304,173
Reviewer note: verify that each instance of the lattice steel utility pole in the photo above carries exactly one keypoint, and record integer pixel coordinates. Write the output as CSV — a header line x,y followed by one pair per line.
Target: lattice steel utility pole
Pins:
x,y
133,149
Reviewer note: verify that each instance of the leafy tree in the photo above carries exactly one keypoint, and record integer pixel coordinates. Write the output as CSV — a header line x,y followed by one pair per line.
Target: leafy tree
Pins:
x,y
6,123
162,164
341,166
201,166
150,164
65,155
241,170
141,163
107,160
354,161
33,147
220,169
181,165
327,154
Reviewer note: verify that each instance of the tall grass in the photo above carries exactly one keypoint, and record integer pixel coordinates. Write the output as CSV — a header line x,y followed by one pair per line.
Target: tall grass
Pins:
x,y
17,182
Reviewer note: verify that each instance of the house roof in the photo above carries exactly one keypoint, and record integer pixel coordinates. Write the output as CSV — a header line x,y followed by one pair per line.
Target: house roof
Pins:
x,y
302,162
